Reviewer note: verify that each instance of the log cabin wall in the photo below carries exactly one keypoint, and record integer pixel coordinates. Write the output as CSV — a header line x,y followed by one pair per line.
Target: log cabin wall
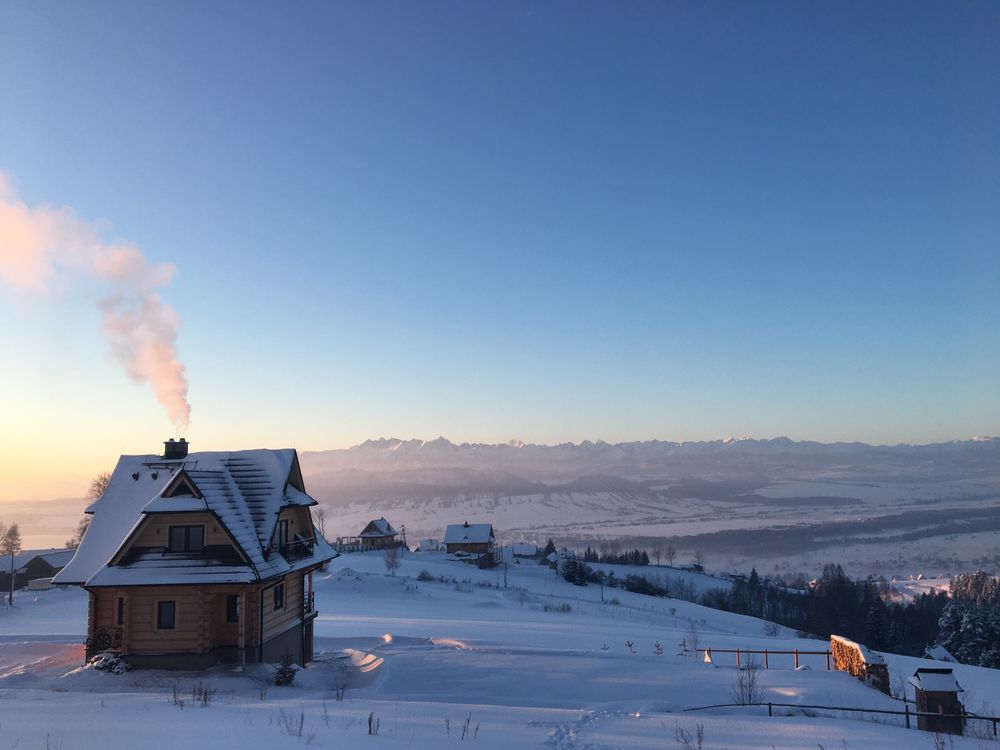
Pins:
x,y
277,621
299,522
199,618
156,531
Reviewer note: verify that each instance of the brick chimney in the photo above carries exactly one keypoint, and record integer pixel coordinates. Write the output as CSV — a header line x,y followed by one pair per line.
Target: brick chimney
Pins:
x,y
175,450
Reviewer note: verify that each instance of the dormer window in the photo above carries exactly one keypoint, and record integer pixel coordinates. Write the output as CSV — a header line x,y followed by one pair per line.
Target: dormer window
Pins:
x,y
186,539
181,487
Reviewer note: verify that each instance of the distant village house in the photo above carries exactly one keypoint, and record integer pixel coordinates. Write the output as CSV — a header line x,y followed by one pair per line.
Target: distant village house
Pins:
x,y
378,534
192,559
33,568
474,539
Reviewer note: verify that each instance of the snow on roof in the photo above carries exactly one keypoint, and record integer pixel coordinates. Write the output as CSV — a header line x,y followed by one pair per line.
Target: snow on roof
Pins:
x,y
58,558
869,656
294,497
246,490
939,653
54,556
377,528
935,681
461,533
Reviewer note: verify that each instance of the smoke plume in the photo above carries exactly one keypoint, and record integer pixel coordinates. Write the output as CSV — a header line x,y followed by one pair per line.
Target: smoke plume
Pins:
x,y
41,244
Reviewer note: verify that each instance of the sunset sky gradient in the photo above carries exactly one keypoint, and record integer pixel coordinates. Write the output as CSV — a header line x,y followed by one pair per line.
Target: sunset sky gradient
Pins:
x,y
546,221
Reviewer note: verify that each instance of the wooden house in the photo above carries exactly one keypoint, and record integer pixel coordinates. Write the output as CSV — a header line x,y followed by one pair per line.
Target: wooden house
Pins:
x,y
936,692
473,538
191,559
378,534
32,565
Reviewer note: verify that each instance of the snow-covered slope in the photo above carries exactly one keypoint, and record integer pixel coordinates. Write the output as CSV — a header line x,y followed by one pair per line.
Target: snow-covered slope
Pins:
x,y
452,660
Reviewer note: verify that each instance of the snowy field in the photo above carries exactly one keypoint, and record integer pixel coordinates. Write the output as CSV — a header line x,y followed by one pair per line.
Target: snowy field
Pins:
x,y
461,661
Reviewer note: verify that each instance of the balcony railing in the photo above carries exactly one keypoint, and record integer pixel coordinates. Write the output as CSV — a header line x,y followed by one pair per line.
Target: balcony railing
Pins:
x,y
296,550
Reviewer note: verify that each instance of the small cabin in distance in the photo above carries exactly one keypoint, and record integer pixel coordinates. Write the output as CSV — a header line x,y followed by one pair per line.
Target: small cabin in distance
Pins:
x,y
33,565
936,691
474,540
378,534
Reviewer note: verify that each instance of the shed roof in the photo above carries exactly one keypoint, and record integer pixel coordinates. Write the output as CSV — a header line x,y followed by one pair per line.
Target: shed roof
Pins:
x,y
935,681
471,533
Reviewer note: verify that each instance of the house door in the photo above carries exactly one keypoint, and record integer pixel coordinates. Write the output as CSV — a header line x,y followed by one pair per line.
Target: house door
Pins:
x,y
281,535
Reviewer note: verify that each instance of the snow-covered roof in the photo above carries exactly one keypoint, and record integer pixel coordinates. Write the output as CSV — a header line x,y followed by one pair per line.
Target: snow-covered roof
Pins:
x,y
935,681
58,558
246,490
939,653
54,556
378,528
472,533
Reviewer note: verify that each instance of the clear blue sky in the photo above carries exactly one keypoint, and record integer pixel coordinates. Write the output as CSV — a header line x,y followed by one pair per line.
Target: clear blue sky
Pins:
x,y
549,221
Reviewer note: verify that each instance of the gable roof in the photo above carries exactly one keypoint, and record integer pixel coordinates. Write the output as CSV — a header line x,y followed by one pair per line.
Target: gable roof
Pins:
x,y
469,533
935,681
54,556
245,490
378,528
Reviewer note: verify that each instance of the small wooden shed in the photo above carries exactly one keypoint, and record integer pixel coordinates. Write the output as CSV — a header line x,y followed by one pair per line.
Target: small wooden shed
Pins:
x,y
937,693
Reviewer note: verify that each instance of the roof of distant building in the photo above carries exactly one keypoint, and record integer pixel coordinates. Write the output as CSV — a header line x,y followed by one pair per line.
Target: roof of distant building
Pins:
x,y
469,533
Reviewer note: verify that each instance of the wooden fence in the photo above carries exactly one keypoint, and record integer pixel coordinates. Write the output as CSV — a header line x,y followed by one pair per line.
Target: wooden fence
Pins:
x,y
906,712
767,653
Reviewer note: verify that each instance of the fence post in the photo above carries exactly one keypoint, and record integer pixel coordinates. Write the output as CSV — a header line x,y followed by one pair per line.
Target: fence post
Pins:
x,y
737,658
770,712
796,658
907,706
827,661
766,666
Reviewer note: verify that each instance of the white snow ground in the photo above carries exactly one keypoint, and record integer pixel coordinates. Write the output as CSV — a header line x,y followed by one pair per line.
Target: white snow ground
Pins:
x,y
433,661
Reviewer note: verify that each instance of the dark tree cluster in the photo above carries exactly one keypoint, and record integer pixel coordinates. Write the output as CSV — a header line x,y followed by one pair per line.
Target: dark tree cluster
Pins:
x,y
628,557
838,605
970,623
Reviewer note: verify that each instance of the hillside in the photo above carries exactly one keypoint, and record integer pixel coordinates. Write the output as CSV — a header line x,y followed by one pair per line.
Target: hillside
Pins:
x,y
523,666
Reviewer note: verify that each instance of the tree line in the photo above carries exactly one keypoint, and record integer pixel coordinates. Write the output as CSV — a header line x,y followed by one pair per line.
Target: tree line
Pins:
x,y
837,605
970,622
628,557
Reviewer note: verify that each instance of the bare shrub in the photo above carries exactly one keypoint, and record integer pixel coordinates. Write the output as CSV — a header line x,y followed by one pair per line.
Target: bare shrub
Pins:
x,y
176,698
202,694
746,689
290,724
686,740
693,637
392,560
